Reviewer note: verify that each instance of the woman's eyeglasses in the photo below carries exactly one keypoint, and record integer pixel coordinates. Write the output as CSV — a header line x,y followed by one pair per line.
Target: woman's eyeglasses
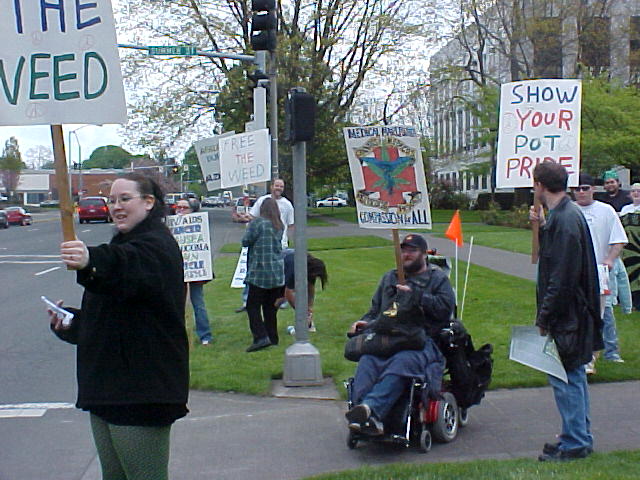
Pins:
x,y
123,199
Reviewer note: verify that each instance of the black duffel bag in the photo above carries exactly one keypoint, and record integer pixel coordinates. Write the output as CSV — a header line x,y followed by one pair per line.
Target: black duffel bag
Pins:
x,y
396,329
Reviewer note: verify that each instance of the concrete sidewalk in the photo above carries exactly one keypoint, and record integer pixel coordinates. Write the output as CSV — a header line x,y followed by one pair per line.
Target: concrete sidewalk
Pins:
x,y
230,436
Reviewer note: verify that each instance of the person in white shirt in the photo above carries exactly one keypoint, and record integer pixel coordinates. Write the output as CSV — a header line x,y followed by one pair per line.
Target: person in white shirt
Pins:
x,y
635,197
284,205
629,216
608,238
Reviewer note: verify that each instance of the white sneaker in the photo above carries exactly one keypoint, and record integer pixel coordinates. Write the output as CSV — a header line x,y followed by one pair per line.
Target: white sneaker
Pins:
x,y
590,368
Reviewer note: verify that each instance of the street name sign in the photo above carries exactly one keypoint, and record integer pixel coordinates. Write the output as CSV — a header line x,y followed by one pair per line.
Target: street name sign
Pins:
x,y
186,50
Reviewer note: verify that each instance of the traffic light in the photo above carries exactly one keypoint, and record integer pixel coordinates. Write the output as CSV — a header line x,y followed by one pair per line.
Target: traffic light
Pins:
x,y
300,116
175,169
264,24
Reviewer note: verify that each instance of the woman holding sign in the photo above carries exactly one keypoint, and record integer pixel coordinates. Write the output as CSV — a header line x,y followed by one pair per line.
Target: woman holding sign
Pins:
x,y
265,274
132,350
196,289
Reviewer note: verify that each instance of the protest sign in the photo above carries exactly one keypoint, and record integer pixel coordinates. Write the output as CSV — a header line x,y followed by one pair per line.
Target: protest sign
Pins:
x,y
208,154
539,122
388,177
191,231
59,63
241,269
245,158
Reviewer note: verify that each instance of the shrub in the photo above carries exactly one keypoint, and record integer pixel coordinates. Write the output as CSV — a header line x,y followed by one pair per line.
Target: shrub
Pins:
x,y
444,196
516,217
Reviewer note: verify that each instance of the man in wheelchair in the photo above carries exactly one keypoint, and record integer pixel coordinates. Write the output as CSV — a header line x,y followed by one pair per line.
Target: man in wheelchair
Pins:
x,y
423,305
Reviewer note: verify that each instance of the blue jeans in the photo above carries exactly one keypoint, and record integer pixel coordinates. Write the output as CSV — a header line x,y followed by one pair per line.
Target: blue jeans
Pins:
x,y
572,400
196,294
385,394
610,335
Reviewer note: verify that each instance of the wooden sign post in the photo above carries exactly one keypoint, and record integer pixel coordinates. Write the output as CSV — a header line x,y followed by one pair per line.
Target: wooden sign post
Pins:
x,y
62,182
396,247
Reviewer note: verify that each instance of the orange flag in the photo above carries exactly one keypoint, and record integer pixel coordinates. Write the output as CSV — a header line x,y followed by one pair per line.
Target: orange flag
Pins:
x,y
454,230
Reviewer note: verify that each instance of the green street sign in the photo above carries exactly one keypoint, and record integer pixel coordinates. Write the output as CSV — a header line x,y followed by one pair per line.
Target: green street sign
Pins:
x,y
172,50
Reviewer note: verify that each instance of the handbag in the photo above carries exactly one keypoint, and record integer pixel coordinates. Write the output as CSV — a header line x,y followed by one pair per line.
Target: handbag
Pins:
x,y
396,329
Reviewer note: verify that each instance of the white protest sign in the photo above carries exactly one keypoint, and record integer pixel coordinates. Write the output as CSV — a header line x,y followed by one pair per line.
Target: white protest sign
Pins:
x,y
245,158
191,231
209,158
539,122
388,177
59,63
241,269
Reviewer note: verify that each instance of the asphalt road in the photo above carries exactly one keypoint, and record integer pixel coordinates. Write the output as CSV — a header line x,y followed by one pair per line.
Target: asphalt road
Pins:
x,y
38,424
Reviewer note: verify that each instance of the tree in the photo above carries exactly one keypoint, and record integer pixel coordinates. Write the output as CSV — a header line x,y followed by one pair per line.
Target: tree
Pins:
x,y
329,47
109,156
610,130
11,166
39,156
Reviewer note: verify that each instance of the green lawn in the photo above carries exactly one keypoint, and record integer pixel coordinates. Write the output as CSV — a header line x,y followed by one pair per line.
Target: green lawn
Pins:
x,y
314,244
494,303
604,466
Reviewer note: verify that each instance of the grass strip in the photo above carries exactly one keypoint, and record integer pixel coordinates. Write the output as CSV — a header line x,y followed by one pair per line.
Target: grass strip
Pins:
x,y
620,465
495,302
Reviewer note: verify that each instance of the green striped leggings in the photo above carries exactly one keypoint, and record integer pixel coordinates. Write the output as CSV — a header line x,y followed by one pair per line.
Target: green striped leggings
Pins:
x,y
131,453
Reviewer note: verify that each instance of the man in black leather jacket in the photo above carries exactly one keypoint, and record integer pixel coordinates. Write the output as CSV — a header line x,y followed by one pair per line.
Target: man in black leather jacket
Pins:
x,y
567,306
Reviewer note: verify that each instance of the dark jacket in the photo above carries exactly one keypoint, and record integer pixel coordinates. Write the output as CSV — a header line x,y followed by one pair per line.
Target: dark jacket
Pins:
x,y
131,340
431,290
568,291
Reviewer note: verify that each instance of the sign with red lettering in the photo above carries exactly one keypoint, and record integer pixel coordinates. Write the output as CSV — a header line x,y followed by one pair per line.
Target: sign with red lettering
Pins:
x,y
59,63
539,122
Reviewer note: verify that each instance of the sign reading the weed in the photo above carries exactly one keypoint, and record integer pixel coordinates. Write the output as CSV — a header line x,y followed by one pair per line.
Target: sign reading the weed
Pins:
x,y
191,231
59,63
539,122
245,158
388,177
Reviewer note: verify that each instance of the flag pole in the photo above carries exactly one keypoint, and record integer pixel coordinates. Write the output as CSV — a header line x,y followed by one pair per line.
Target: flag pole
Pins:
x,y
456,273
466,279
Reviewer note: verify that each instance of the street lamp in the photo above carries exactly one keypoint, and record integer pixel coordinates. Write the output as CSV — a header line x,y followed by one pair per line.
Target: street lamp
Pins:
x,y
75,134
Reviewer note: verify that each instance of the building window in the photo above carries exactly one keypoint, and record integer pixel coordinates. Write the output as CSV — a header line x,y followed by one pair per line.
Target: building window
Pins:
x,y
546,37
460,129
484,182
634,50
594,44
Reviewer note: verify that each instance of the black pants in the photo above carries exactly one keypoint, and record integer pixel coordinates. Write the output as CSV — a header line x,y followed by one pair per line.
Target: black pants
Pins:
x,y
263,299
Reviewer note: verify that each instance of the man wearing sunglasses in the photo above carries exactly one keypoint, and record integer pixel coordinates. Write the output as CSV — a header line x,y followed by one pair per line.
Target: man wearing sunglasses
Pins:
x,y
609,238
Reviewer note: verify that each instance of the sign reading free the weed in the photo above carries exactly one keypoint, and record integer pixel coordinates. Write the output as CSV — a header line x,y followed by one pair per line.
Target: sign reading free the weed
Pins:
x,y
59,63
539,122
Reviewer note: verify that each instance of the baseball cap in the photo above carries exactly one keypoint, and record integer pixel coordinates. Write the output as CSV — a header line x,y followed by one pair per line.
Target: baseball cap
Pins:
x,y
586,179
415,240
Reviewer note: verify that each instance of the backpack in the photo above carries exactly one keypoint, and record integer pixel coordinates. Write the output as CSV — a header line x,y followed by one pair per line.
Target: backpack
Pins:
x,y
469,369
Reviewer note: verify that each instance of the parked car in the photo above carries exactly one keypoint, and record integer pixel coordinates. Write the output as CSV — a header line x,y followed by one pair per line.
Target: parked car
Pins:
x,y
3,198
331,202
4,220
213,202
239,212
50,203
93,208
18,216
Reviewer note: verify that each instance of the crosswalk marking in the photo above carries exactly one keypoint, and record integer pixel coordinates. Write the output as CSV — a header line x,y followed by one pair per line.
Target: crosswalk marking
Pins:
x,y
30,409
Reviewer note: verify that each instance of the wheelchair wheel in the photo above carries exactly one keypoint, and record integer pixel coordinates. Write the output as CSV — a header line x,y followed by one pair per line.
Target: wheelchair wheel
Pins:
x,y
352,441
425,440
463,417
445,428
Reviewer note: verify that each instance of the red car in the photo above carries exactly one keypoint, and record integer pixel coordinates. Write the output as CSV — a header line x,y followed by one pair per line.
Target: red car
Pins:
x,y
93,208
18,216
